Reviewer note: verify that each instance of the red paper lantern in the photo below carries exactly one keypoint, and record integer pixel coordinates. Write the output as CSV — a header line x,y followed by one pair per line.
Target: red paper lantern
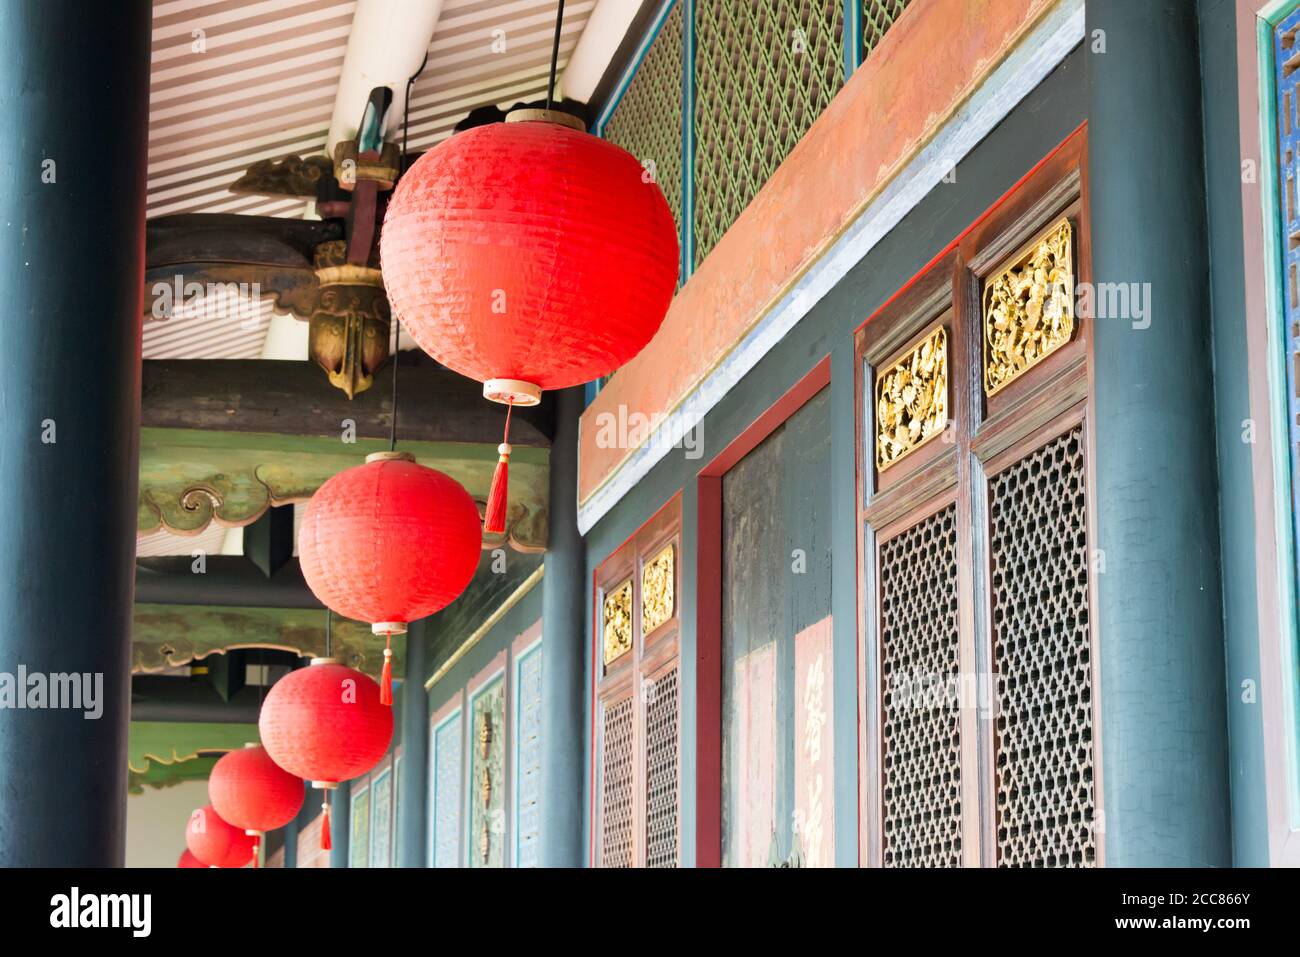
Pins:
x,y
189,860
389,542
529,255
252,792
325,723
217,843
530,251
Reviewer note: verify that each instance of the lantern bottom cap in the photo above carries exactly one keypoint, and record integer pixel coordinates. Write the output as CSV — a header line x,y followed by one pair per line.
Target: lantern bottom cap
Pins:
x,y
389,628
251,833
512,391
325,785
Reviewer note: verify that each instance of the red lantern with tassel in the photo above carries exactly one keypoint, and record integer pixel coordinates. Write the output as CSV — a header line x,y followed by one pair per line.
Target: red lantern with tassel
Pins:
x,y
251,791
529,255
217,843
326,724
388,542
187,859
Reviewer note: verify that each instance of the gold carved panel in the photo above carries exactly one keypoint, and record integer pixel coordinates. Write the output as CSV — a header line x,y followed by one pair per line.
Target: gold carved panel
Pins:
x,y
657,590
618,621
912,399
1029,308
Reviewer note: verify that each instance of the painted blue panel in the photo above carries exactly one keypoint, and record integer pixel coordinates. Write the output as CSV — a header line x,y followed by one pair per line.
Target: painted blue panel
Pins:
x,y
446,762
381,820
528,757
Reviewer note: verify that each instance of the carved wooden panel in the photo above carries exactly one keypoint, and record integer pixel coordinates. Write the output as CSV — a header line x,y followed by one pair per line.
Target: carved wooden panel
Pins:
x,y
616,784
912,399
1029,307
658,590
485,790
921,725
1042,654
661,791
617,618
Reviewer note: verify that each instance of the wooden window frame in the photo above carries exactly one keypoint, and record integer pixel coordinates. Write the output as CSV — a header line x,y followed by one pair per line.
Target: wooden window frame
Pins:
x,y
984,434
649,658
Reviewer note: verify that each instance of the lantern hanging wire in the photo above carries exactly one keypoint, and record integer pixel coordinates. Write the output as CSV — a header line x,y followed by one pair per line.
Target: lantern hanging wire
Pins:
x,y
555,54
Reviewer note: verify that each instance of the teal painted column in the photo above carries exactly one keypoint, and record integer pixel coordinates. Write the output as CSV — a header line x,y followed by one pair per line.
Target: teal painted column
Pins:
x,y
1232,402
413,784
293,829
74,90
563,649
340,822
1164,732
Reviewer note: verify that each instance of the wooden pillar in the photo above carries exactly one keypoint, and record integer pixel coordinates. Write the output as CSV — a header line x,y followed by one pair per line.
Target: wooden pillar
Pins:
x,y
563,649
74,87
413,784
1161,675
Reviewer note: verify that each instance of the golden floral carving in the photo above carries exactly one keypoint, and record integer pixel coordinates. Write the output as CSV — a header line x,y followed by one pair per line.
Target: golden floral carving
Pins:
x,y
912,399
618,621
657,587
1029,308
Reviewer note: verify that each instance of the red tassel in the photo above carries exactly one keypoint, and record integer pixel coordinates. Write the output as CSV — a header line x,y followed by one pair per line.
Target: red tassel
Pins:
x,y
494,517
325,843
386,676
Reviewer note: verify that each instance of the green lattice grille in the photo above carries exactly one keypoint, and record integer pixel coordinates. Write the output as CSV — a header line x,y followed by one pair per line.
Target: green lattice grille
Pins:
x,y
764,70
648,119
877,17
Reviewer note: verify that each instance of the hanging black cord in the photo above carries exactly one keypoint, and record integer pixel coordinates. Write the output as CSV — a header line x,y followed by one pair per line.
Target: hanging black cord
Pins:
x,y
555,55
401,167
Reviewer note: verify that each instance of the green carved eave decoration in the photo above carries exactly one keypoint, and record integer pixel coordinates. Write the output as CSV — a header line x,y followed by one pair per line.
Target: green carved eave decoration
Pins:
x,y
169,775
166,636
166,753
190,478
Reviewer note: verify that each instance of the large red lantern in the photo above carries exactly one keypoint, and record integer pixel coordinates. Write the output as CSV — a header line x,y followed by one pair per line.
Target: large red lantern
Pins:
x,y
251,791
529,255
389,542
215,842
325,724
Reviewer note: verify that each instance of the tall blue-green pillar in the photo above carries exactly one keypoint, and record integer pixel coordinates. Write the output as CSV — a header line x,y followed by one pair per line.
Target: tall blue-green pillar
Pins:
x,y
1162,692
413,782
74,89
563,632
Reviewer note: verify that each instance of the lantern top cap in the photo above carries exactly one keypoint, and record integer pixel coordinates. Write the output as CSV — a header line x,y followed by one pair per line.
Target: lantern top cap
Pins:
x,y
251,744
559,117
387,456
327,661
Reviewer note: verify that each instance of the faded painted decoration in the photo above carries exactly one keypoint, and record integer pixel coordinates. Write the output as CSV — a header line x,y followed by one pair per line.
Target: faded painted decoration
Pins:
x,y
528,757
359,842
777,754
445,802
381,821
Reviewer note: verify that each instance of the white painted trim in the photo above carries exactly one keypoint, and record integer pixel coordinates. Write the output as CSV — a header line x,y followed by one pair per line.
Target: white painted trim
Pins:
x,y
1036,56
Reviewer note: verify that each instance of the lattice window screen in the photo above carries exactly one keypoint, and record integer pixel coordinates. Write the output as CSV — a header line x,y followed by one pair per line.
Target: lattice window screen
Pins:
x,y
616,766
1042,658
764,71
648,119
661,771
921,723
877,17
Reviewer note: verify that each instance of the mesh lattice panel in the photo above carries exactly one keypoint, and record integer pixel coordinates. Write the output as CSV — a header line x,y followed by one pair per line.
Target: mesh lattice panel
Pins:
x,y
1042,658
616,786
764,70
877,17
921,720
648,119
661,771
